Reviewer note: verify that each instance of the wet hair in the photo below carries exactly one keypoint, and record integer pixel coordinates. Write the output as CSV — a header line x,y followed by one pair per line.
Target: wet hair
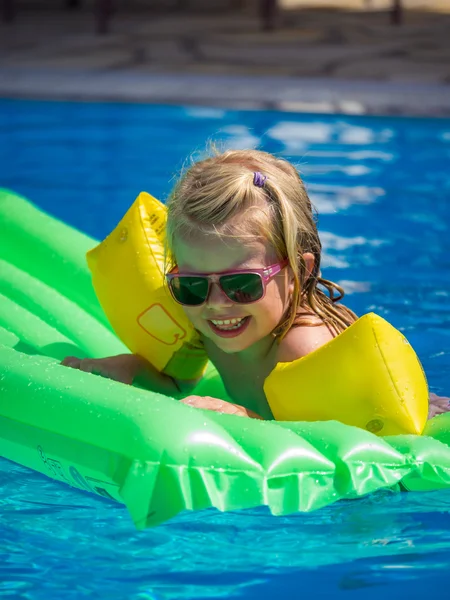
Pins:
x,y
217,196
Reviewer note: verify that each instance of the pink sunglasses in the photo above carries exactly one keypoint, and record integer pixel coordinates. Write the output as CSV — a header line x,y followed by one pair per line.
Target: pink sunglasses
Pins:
x,y
241,287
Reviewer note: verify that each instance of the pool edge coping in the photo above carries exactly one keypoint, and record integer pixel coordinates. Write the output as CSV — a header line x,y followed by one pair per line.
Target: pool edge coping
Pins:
x,y
282,93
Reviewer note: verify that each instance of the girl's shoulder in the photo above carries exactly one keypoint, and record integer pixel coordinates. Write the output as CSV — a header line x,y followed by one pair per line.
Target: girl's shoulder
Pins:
x,y
301,340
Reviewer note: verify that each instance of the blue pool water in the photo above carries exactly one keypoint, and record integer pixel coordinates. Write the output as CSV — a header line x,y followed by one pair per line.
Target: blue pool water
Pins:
x,y
382,188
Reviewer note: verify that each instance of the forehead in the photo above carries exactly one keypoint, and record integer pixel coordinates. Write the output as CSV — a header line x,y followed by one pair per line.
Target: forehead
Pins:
x,y
214,254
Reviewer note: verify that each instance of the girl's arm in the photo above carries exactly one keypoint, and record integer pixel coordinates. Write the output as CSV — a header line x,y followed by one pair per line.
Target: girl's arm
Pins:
x,y
131,368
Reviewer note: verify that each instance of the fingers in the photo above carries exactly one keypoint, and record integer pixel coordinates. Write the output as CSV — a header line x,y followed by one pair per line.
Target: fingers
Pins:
x,y
71,361
101,367
83,364
189,400
433,412
438,405
198,402
220,406
241,411
254,415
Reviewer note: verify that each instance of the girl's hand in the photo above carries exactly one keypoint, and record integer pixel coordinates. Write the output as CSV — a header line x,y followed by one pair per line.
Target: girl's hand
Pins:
x,y
438,405
122,368
220,406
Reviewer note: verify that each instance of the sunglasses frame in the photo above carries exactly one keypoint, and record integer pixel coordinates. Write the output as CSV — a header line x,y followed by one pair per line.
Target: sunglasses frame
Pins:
x,y
265,274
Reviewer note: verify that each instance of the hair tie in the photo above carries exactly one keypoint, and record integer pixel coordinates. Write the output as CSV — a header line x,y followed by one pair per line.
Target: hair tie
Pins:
x,y
259,179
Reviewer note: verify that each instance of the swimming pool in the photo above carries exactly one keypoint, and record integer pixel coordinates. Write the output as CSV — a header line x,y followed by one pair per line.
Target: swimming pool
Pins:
x,y
382,188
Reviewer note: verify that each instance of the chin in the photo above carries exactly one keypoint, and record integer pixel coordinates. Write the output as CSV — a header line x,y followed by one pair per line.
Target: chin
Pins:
x,y
233,346
232,350
229,347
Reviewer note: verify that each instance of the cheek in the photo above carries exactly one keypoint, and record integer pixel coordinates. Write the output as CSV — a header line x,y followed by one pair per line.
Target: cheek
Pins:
x,y
273,305
193,314
279,292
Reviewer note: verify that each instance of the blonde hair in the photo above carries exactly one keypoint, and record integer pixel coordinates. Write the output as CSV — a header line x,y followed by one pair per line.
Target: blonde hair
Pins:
x,y
216,195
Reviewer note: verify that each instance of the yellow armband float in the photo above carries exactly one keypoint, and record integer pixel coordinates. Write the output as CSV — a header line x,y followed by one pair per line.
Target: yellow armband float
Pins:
x,y
368,376
128,277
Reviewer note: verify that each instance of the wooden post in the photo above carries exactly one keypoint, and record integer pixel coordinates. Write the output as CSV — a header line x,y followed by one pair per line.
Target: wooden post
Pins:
x,y
8,10
104,9
397,12
268,10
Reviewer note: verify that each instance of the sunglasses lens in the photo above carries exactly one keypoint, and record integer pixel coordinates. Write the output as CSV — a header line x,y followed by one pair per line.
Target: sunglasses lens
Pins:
x,y
191,291
242,288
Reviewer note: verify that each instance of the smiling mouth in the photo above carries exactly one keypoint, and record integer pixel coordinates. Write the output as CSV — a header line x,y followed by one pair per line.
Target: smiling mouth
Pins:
x,y
228,324
228,327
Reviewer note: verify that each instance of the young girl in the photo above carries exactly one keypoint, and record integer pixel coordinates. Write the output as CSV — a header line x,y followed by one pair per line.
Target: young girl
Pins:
x,y
244,256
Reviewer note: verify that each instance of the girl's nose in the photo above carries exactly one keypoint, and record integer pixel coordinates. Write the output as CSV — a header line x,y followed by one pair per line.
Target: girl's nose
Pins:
x,y
217,297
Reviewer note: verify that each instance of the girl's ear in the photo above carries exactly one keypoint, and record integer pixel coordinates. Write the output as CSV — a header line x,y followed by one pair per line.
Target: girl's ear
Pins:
x,y
308,257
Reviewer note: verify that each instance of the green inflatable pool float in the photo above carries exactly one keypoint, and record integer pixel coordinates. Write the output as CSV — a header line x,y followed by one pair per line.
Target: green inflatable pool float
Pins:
x,y
147,451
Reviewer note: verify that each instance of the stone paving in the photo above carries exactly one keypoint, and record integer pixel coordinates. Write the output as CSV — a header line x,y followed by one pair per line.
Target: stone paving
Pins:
x,y
316,55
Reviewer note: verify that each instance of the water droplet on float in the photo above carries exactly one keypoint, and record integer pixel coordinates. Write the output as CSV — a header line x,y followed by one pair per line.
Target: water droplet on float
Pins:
x,y
123,236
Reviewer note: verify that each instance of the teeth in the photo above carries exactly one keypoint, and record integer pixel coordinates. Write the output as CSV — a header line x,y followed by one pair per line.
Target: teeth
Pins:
x,y
228,323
